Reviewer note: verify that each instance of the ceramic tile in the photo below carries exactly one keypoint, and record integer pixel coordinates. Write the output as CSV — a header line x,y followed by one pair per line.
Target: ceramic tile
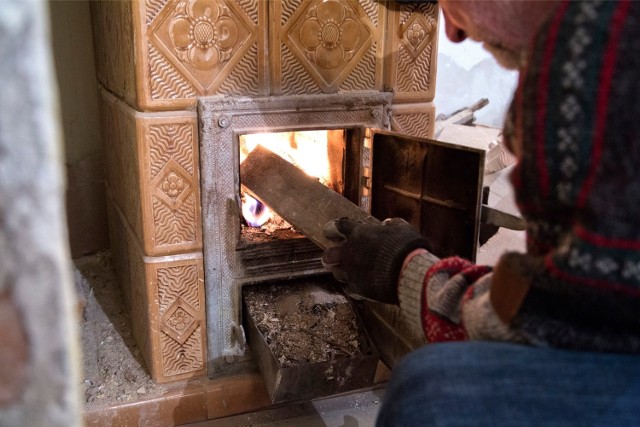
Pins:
x,y
162,54
115,49
176,287
410,61
153,175
170,182
326,46
165,299
413,119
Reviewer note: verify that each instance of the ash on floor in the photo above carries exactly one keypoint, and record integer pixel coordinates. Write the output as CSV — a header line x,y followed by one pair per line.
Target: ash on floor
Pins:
x,y
114,370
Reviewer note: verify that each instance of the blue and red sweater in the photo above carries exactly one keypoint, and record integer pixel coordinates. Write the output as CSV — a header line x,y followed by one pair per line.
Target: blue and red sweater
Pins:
x,y
574,125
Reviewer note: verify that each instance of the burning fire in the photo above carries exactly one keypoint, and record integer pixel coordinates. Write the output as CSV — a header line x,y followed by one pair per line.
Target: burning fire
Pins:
x,y
308,150
254,212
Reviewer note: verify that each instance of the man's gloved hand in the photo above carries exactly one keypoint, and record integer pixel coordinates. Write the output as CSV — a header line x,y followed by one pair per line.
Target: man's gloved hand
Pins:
x,y
368,257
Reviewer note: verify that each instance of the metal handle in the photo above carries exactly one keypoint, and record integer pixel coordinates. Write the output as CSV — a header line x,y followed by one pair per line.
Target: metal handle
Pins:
x,y
501,219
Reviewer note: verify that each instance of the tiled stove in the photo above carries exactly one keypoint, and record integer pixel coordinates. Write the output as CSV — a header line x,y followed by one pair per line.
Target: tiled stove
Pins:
x,y
156,58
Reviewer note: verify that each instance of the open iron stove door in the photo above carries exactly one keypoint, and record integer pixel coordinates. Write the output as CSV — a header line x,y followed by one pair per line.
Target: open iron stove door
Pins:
x,y
433,185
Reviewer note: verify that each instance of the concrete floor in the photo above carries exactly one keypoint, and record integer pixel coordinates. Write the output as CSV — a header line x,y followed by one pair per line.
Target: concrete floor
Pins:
x,y
349,410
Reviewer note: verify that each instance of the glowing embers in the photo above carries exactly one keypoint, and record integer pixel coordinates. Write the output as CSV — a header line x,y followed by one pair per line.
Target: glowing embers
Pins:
x,y
319,153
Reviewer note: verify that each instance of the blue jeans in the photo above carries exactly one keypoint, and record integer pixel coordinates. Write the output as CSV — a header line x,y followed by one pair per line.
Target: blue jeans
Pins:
x,y
502,384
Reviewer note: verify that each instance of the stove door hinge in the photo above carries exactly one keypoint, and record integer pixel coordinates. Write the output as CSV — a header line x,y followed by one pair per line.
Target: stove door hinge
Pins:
x,y
238,338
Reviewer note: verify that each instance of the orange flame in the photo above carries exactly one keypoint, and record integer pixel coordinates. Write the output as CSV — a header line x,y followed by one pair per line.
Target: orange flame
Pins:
x,y
305,149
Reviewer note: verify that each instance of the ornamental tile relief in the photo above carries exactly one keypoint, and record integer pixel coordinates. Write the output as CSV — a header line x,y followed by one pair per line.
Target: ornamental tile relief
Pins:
x,y
202,40
362,77
178,50
166,81
329,39
166,302
180,296
174,227
179,321
329,34
203,34
173,221
182,359
413,124
413,119
153,7
411,67
418,31
172,141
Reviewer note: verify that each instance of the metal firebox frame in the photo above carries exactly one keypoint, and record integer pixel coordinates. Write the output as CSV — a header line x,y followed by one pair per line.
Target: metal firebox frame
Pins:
x,y
222,120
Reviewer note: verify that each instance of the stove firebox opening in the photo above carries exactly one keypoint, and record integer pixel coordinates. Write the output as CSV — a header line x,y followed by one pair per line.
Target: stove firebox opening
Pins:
x,y
236,254
319,153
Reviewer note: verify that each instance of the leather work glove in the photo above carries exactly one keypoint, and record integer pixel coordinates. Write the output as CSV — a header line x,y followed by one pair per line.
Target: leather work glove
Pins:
x,y
368,257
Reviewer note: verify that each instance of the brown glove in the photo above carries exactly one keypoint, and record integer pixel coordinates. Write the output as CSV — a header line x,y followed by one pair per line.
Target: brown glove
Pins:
x,y
368,257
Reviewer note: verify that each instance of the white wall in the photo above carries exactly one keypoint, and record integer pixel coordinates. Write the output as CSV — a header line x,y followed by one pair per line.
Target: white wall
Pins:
x,y
467,73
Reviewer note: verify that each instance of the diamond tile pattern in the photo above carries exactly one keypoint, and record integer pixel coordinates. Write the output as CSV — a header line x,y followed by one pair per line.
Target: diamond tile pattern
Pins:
x,y
179,321
418,33
329,38
203,38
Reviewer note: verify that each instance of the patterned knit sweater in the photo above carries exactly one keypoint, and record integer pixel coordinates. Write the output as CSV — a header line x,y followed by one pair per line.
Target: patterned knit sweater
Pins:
x,y
574,125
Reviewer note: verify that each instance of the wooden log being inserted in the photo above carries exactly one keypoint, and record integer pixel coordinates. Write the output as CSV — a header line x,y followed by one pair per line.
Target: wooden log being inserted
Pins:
x,y
300,199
